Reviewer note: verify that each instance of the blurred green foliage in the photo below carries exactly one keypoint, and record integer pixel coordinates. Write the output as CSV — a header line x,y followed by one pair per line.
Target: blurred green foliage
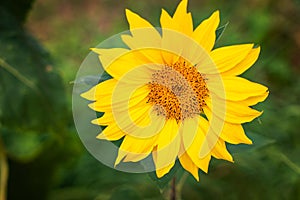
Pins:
x,y
46,159
34,117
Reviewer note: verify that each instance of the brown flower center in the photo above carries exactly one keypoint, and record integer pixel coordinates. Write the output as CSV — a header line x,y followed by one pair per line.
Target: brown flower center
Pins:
x,y
178,91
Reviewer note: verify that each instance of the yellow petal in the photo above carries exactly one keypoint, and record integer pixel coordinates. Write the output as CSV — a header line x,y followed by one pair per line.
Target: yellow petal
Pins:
x,y
168,145
183,19
100,90
234,134
163,171
189,165
108,56
111,133
220,151
135,21
169,35
122,97
181,22
193,140
135,149
254,100
128,120
228,57
104,120
245,64
118,62
232,112
237,88
144,35
141,123
167,22
205,33
189,133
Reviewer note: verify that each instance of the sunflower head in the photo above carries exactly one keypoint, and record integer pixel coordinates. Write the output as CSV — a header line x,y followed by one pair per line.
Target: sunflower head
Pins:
x,y
173,95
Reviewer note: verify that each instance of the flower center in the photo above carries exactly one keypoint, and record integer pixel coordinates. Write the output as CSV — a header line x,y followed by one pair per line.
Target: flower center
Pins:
x,y
178,91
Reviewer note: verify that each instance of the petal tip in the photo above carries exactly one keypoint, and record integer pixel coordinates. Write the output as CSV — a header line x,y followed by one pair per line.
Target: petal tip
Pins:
x,y
95,121
217,13
101,136
127,11
87,95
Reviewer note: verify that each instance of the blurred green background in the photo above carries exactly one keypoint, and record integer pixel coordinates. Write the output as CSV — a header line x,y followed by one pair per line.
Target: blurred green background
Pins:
x,y
42,45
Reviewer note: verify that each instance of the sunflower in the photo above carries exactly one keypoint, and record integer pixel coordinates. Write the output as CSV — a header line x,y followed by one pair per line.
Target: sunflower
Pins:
x,y
172,96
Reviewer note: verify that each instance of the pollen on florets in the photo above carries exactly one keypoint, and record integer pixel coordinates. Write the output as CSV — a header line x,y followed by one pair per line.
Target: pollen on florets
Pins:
x,y
178,91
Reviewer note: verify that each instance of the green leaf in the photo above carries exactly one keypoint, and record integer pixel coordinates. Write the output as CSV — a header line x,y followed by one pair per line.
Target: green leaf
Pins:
x,y
220,31
86,82
258,140
92,79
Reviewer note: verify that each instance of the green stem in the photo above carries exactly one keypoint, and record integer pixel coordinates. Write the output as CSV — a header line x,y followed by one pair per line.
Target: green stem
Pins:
x,y
3,171
173,189
180,184
289,163
17,74
176,189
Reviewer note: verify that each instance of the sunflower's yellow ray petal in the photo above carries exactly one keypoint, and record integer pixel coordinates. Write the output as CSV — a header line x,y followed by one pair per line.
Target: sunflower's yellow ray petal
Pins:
x,y
234,112
168,134
240,113
237,88
178,29
193,139
168,145
150,51
205,33
201,162
163,171
184,48
220,151
189,165
135,117
234,134
135,149
140,75
104,120
138,145
104,105
122,97
144,35
168,38
100,90
189,133
139,120
135,21
183,19
228,57
141,113
245,64
111,133
127,120
167,22
107,56
119,124
254,100
118,62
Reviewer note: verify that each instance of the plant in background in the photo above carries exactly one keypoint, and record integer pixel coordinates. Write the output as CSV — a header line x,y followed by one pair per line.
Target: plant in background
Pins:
x,y
172,95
